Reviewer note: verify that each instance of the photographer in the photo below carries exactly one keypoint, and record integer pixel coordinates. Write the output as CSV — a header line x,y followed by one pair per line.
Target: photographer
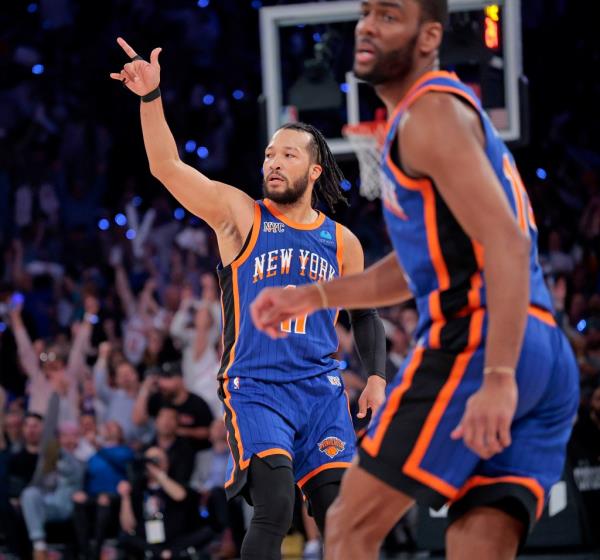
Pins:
x,y
158,516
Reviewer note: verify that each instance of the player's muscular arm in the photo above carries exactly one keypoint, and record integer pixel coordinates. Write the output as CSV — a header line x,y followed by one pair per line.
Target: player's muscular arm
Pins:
x,y
218,204
226,209
442,138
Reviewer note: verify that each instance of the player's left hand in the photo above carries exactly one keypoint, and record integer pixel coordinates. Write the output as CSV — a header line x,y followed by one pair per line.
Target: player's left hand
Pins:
x,y
485,425
372,396
275,305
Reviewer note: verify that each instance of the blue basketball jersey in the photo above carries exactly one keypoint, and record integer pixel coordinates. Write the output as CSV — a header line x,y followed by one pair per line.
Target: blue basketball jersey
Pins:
x,y
443,264
279,252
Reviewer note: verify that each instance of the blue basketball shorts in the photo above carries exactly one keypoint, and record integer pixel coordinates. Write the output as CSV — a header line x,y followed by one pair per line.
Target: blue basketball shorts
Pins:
x,y
408,445
306,421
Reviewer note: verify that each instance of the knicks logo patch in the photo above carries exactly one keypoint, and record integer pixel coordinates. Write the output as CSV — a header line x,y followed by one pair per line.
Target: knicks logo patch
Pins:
x,y
331,446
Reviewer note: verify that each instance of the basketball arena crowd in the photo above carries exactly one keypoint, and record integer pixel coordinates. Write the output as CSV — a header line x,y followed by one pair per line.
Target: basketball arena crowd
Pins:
x,y
109,302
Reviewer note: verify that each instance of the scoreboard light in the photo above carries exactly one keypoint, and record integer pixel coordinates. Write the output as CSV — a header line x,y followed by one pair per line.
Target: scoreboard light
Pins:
x,y
493,12
492,27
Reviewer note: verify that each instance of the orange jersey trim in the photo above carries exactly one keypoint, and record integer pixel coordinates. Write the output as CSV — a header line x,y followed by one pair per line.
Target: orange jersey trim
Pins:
x,y
256,222
530,483
289,222
236,302
372,445
510,174
412,466
326,467
410,95
339,255
542,315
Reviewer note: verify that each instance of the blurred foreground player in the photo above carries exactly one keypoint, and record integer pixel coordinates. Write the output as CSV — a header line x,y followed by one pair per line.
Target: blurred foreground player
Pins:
x,y
285,407
480,413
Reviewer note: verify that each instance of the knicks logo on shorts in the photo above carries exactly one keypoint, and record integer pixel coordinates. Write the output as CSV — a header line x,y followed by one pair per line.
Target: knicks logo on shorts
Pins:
x,y
331,446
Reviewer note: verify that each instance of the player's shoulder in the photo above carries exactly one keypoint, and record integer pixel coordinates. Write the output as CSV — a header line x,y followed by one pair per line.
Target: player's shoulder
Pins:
x,y
434,125
353,255
435,113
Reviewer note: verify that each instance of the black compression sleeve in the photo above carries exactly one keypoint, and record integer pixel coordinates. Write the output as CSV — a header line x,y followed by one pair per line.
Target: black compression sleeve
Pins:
x,y
369,337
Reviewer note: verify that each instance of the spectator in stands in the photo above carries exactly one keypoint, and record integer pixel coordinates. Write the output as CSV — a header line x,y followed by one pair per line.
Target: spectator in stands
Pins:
x,y
97,505
51,371
196,330
208,480
58,476
159,517
193,414
19,466
22,464
119,401
179,451
88,443
13,429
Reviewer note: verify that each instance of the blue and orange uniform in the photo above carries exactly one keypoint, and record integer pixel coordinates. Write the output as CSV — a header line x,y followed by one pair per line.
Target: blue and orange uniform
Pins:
x,y
408,445
283,398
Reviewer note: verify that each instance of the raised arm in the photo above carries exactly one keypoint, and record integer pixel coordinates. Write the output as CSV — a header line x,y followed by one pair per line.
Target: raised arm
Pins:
x,y
226,209
76,365
139,414
126,515
103,390
122,286
27,355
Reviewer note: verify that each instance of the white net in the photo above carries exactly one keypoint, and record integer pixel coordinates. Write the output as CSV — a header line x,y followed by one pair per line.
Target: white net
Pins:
x,y
367,140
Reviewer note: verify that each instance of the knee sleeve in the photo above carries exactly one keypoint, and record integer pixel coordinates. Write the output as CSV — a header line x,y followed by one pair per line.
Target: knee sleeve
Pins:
x,y
319,499
271,491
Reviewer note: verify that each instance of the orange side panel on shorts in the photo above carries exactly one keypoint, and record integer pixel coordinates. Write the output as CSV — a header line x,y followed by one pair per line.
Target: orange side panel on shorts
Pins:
x,y
373,445
412,466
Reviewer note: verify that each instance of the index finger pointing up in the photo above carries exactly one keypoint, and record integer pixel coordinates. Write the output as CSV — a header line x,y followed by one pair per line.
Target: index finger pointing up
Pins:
x,y
125,46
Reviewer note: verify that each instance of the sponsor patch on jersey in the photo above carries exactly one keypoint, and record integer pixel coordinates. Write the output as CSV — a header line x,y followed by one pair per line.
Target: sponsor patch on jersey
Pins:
x,y
273,227
334,380
331,446
327,238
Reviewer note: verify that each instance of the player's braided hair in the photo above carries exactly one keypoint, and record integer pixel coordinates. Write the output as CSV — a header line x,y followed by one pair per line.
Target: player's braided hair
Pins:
x,y
329,185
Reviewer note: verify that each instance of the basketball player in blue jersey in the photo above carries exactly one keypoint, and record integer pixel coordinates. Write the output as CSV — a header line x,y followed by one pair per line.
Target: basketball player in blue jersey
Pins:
x,y
285,406
480,413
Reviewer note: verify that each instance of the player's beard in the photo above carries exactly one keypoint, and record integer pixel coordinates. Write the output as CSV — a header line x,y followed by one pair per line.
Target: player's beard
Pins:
x,y
393,65
291,194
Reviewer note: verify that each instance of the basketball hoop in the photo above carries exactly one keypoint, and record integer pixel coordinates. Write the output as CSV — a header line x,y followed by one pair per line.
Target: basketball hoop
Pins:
x,y
367,139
